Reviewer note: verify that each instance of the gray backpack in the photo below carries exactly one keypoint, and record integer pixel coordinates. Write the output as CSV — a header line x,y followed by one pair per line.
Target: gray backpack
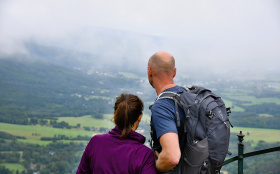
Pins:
x,y
206,127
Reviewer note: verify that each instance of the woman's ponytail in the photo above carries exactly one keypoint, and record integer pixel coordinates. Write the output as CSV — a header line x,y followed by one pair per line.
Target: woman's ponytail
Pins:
x,y
128,108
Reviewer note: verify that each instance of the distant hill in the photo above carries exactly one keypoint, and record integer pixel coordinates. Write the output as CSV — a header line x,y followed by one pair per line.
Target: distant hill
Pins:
x,y
40,89
37,88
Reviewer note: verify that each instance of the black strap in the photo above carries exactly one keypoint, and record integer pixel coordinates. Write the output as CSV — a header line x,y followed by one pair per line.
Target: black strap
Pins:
x,y
177,113
177,101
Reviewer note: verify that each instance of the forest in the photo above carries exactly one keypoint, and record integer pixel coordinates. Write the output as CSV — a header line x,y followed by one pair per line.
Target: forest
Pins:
x,y
58,157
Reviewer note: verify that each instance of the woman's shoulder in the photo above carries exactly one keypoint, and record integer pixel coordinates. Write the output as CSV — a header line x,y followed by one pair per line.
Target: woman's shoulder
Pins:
x,y
143,149
97,137
145,157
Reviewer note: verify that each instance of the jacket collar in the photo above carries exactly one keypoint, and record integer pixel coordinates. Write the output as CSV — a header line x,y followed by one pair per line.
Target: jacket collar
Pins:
x,y
116,132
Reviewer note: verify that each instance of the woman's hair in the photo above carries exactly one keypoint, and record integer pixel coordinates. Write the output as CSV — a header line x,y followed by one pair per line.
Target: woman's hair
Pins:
x,y
127,109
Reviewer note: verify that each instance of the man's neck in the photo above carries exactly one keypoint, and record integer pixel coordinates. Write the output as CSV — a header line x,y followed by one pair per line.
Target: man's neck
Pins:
x,y
164,87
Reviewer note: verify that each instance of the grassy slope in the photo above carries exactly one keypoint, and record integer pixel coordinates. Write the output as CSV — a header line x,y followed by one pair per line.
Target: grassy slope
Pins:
x,y
251,134
13,167
93,122
88,121
256,134
41,131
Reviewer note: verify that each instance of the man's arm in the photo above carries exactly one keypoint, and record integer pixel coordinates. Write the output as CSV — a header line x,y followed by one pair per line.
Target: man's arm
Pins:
x,y
170,154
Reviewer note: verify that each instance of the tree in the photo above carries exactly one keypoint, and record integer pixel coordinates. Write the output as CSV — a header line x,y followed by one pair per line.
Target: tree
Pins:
x,y
4,170
98,116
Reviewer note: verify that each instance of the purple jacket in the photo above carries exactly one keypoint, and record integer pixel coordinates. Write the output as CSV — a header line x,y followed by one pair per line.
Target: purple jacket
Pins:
x,y
111,154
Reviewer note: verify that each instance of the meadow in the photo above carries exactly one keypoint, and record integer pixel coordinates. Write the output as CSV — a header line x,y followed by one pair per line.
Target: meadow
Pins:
x,y
254,135
89,121
230,104
13,167
33,133
243,96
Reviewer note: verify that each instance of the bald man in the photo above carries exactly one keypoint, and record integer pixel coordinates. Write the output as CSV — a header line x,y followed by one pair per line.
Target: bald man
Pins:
x,y
168,141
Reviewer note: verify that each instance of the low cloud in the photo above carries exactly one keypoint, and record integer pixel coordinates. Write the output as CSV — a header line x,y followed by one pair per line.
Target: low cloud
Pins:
x,y
201,35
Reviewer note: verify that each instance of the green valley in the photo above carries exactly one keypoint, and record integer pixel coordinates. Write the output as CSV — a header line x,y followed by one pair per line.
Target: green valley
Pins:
x,y
48,113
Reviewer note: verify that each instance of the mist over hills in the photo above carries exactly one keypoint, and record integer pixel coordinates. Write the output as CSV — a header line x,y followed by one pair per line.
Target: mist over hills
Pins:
x,y
43,90
87,49
104,48
104,63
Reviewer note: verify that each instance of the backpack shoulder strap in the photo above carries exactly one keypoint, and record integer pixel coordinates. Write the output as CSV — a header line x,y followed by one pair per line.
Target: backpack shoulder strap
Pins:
x,y
176,98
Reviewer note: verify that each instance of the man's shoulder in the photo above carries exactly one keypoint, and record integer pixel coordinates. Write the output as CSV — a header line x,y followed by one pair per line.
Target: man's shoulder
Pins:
x,y
163,108
175,89
167,101
162,103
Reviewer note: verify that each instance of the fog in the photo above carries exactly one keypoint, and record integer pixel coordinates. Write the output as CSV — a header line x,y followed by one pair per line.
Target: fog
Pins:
x,y
202,35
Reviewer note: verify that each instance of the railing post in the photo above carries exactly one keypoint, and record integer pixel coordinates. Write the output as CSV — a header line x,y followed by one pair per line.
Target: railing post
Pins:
x,y
240,152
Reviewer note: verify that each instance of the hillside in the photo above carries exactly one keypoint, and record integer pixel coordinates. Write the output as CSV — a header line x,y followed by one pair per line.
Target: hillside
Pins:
x,y
44,90
39,89
48,109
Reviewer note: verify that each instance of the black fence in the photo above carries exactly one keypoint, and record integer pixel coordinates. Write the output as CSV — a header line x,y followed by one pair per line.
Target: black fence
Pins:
x,y
241,155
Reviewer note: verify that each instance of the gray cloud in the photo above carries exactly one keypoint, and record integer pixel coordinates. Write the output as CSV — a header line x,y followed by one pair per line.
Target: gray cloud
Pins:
x,y
229,34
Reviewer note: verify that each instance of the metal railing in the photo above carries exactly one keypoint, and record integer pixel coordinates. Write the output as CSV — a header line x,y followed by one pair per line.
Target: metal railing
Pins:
x,y
241,154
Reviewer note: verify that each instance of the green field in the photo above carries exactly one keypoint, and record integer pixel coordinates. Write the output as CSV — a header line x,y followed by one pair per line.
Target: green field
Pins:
x,y
43,143
33,133
89,121
229,103
255,101
13,167
242,95
251,134
97,97
28,131
128,75
254,135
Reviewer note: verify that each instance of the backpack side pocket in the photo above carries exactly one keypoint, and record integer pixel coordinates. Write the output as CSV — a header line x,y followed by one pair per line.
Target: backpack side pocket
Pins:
x,y
194,156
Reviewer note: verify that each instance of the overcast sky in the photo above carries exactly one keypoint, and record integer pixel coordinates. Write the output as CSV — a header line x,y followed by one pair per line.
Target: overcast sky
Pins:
x,y
230,32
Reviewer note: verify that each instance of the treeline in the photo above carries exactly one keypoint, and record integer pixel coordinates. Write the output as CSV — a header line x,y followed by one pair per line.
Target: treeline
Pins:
x,y
74,107
4,170
35,121
64,137
5,135
55,124
251,118
10,157
56,157
61,124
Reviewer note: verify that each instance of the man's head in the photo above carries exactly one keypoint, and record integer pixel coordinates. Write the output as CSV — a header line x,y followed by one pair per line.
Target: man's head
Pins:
x,y
161,65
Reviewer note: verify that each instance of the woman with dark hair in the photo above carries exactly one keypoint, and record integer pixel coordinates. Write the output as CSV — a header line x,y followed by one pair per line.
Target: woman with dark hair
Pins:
x,y
121,150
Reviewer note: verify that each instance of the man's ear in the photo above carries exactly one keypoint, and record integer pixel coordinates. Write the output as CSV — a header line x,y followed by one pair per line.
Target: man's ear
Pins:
x,y
149,71
140,117
174,74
